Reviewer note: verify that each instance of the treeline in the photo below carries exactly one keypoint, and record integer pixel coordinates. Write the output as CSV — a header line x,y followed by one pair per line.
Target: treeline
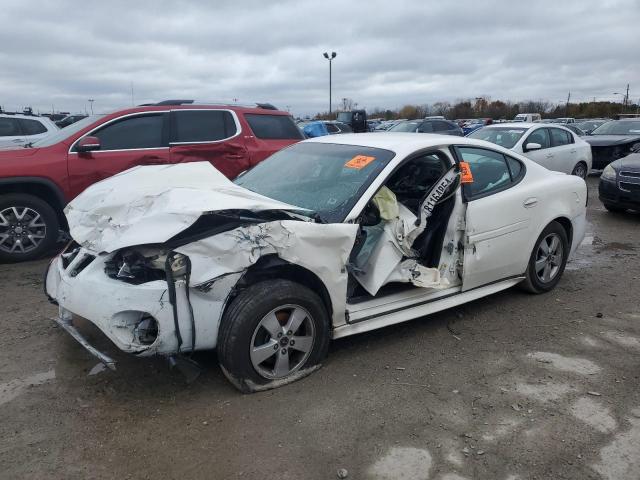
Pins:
x,y
496,109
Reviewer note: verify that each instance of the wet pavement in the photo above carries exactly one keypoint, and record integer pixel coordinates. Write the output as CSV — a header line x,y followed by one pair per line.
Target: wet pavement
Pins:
x,y
512,386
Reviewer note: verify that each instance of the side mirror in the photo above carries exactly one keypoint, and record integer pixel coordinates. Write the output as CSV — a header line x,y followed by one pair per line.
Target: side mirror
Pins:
x,y
532,146
370,217
88,144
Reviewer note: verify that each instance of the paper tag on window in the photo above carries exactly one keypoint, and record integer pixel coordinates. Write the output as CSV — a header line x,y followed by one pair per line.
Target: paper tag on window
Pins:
x,y
465,173
359,162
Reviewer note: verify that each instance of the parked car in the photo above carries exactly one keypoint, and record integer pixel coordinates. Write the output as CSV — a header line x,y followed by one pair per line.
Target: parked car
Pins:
x,y
330,237
554,147
474,124
613,140
17,130
619,187
443,127
69,119
578,131
589,126
36,183
527,117
320,128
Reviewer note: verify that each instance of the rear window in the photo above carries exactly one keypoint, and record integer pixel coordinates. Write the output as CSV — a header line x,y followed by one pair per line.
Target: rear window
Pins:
x,y
32,127
191,126
273,127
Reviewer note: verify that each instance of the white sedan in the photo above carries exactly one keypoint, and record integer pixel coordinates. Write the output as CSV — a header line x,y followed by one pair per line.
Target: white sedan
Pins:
x,y
330,237
552,146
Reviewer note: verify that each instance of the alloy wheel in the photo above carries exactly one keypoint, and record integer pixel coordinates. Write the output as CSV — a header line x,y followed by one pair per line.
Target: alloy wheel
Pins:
x,y
22,229
282,341
549,258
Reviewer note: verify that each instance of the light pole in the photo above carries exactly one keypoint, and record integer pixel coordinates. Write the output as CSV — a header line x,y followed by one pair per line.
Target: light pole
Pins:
x,y
330,58
623,100
91,103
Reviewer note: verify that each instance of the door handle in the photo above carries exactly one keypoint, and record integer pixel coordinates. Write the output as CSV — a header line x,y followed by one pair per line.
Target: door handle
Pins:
x,y
153,160
17,140
549,155
530,202
573,151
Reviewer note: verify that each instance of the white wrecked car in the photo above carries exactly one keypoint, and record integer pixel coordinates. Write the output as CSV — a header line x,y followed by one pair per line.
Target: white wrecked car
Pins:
x,y
330,237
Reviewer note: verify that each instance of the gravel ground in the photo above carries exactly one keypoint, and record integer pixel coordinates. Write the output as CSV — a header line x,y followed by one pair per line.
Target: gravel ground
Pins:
x,y
512,386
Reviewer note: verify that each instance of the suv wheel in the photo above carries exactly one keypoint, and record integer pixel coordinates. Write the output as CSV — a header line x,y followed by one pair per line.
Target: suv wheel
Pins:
x,y
28,227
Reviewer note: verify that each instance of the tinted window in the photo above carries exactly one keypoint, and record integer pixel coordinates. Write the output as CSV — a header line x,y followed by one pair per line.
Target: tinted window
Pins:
x,y
32,127
275,127
540,136
489,170
9,127
440,126
202,125
426,127
331,128
133,132
515,166
559,137
344,128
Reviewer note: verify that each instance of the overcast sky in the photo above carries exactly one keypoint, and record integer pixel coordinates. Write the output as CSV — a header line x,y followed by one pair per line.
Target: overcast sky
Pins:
x,y
390,53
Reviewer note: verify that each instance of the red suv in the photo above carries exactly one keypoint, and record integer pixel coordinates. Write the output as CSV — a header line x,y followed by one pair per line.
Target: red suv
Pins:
x,y
37,181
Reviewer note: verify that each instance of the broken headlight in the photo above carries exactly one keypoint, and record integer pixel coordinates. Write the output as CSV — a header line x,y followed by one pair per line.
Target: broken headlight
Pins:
x,y
144,265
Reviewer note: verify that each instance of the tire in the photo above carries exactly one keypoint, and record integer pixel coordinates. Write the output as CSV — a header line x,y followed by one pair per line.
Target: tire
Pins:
x,y
614,208
248,333
580,170
29,227
542,280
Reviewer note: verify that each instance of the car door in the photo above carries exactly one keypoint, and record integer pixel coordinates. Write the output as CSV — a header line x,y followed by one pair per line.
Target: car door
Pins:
x,y
212,135
125,142
10,132
564,150
498,218
544,155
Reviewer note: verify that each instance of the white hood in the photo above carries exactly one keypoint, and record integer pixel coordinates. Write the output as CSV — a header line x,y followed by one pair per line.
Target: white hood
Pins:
x,y
151,204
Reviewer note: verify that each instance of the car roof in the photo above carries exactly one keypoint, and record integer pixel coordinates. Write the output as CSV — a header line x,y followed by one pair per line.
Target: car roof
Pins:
x,y
199,106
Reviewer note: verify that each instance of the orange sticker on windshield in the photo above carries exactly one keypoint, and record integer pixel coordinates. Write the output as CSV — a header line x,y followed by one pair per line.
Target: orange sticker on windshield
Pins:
x,y
359,162
465,173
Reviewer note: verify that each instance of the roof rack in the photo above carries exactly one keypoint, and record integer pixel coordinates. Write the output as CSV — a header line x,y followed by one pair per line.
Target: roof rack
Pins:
x,y
265,106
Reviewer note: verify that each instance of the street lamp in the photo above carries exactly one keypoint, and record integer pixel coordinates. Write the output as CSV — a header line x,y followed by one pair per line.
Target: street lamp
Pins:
x,y
333,55
91,103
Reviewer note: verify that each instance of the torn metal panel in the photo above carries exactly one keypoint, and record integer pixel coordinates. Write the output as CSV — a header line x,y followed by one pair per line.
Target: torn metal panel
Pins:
x,y
152,204
323,249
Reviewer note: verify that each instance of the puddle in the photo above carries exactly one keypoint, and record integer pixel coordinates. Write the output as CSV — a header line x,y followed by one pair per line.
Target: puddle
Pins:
x,y
15,388
402,462
594,414
566,364
543,392
620,460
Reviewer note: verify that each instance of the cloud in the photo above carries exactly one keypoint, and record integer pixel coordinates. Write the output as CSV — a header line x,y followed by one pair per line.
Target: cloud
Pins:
x,y
62,53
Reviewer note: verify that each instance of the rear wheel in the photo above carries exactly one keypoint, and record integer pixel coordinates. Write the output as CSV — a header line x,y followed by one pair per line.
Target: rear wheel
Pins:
x,y
28,227
580,170
548,259
272,333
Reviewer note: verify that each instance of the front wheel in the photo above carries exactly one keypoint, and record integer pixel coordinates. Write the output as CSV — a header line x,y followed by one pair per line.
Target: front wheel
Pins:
x,y
272,333
548,259
580,170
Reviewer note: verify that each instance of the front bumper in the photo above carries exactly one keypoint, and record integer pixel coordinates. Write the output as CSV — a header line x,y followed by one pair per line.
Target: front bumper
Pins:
x,y
623,193
82,288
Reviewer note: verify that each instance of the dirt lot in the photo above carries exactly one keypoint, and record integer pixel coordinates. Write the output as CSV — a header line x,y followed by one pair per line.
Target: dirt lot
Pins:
x,y
513,386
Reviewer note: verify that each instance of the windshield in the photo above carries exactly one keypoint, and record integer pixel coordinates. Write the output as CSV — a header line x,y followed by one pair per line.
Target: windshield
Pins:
x,y
506,137
65,133
405,127
618,127
323,177
344,117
